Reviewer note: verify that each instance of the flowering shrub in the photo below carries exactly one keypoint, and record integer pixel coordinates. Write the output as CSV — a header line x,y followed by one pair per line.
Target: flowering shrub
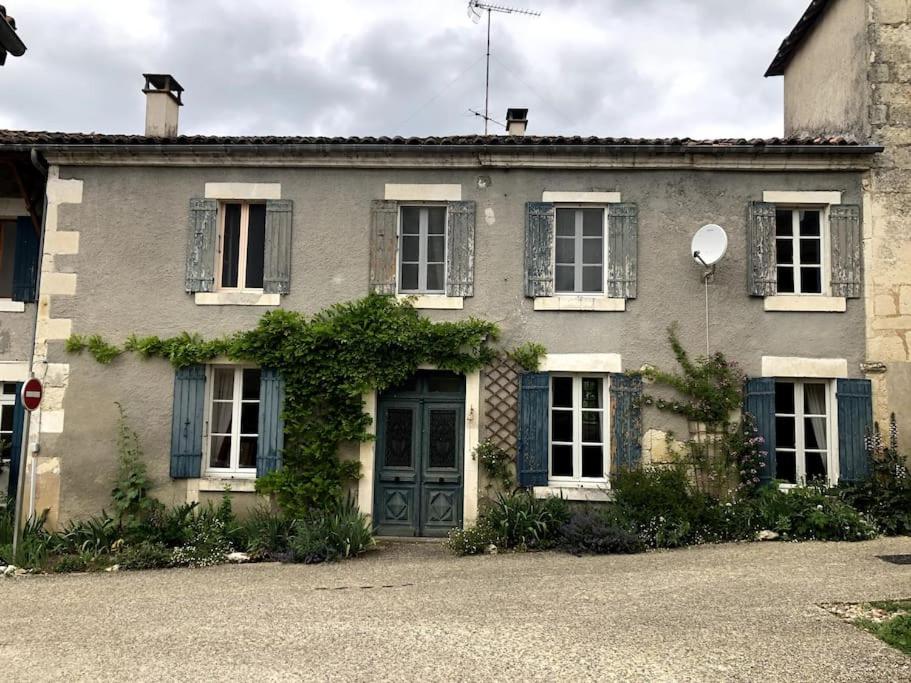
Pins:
x,y
497,463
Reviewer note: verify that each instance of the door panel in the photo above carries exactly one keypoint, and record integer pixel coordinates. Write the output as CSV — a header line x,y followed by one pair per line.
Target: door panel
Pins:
x,y
398,442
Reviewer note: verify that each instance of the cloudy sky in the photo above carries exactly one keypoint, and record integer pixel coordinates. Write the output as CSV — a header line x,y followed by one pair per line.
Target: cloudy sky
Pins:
x,y
400,67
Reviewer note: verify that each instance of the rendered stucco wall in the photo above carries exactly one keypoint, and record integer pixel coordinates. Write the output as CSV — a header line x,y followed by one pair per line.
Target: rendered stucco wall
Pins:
x,y
132,224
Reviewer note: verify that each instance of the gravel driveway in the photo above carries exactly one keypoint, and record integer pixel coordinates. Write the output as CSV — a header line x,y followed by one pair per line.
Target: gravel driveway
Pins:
x,y
743,612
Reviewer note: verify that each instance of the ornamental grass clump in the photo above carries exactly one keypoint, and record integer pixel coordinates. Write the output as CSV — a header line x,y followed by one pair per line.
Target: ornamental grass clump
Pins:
x,y
328,536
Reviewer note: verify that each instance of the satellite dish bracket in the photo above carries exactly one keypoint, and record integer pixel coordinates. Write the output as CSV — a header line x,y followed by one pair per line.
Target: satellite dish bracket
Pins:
x,y
709,274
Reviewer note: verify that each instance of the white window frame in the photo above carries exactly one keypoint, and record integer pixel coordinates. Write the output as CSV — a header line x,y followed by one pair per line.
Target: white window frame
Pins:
x,y
578,249
831,459
7,305
233,471
242,255
577,410
824,242
423,227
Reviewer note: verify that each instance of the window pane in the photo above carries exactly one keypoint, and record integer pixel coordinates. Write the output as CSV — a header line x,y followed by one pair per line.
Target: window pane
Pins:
x,y
591,427
592,280
446,382
810,251
784,398
811,280
566,278
249,418
435,277
9,388
592,222
220,451
6,423
592,461
411,220
409,277
561,461
814,398
809,222
785,467
399,422
784,432
565,250
436,220
436,249
223,387
816,466
230,247
256,241
814,433
566,222
247,452
250,389
561,425
563,392
591,392
784,222
784,251
443,438
411,248
7,257
222,416
592,251
786,280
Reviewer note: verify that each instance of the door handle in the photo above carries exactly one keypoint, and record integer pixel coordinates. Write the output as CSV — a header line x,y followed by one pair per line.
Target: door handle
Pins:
x,y
398,479
442,480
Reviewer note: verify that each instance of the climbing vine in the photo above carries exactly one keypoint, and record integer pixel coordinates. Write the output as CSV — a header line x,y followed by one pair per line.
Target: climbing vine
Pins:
x,y
328,361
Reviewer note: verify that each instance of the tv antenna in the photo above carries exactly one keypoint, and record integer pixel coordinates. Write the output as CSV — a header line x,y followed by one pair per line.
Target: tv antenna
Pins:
x,y
475,8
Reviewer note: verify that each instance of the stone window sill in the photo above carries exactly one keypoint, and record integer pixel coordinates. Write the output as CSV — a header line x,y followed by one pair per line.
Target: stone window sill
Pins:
x,y
579,303
593,493
439,302
10,306
236,484
806,303
237,299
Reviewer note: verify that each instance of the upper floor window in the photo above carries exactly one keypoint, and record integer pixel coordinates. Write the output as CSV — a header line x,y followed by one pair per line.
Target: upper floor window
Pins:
x,y
241,246
578,445
579,251
233,420
799,249
803,451
422,250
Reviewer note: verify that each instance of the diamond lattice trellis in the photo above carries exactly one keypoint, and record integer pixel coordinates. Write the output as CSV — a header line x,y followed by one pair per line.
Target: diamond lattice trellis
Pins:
x,y
501,403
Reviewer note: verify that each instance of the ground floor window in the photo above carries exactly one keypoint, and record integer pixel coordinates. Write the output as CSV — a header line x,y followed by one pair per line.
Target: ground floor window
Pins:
x,y
7,408
233,420
803,451
578,442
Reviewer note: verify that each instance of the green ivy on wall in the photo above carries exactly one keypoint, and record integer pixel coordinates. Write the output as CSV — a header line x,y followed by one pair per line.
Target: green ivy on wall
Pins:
x,y
328,361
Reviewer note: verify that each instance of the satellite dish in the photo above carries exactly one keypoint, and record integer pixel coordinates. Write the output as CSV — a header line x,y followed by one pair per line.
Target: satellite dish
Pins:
x,y
709,244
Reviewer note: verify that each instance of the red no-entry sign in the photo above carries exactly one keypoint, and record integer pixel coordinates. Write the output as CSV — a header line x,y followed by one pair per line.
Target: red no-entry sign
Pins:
x,y
32,391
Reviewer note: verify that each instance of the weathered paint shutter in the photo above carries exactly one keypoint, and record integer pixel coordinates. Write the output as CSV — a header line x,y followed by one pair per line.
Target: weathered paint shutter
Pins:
x,y
855,423
16,445
534,414
384,218
844,231
277,248
271,425
622,250
539,249
201,246
460,249
25,261
626,418
187,422
759,401
762,274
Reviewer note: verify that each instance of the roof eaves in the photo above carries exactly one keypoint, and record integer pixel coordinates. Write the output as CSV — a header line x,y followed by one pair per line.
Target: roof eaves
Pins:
x,y
798,34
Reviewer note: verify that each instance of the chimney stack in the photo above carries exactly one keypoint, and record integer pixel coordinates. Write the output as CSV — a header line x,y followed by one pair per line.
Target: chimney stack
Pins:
x,y
516,121
162,105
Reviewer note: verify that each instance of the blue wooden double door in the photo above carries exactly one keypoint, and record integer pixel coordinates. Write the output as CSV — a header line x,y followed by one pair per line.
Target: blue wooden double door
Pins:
x,y
419,456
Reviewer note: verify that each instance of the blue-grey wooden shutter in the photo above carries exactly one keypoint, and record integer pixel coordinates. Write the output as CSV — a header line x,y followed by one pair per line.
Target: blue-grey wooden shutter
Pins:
x,y
16,445
25,261
277,257
539,249
271,425
201,239
855,423
384,220
759,401
762,274
534,414
626,418
622,250
187,422
460,248
845,240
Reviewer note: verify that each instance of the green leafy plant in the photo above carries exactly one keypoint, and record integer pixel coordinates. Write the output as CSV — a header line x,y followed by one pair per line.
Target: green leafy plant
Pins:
x,y
811,514
130,495
600,532
528,355
497,463
144,555
103,352
328,536
518,521
267,535
472,540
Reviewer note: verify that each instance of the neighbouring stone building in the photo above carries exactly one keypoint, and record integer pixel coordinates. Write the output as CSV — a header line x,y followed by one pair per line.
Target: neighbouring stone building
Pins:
x,y
847,71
